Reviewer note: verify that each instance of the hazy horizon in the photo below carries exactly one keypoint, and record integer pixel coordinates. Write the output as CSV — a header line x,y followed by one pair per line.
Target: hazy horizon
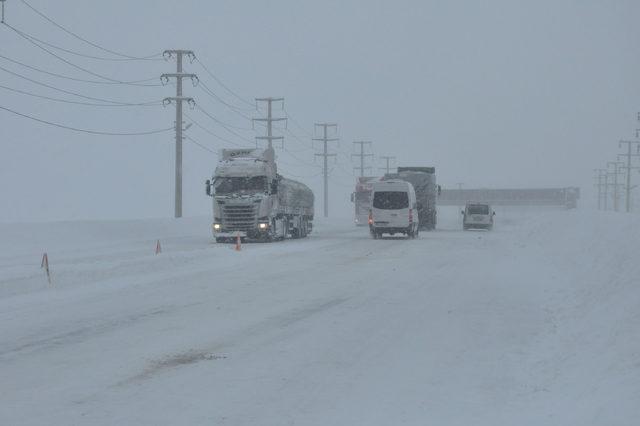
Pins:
x,y
495,95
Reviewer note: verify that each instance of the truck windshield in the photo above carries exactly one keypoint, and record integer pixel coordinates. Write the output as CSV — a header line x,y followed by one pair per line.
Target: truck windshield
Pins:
x,y
478,209
243,185
391,200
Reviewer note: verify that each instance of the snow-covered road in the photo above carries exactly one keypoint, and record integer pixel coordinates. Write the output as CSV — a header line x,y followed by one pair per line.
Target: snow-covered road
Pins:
x,y
534,323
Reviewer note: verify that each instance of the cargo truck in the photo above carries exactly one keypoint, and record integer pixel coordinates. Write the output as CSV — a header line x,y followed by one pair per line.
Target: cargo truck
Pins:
x,y
251,200
361,198
423,180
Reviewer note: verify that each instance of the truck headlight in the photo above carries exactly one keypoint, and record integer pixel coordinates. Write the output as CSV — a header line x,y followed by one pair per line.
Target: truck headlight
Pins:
x,y
216,226
263,225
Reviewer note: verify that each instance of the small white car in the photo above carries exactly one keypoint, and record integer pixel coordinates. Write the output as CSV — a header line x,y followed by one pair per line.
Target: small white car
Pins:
x,y
393,209
477,216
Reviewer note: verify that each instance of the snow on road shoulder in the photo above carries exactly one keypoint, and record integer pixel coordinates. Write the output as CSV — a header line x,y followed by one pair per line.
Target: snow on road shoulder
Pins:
x,y
533,323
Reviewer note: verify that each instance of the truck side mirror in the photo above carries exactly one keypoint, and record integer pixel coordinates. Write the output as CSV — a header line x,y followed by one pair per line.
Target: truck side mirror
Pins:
x,y
208,183
274,186
494,213
439,190
462,212
352,197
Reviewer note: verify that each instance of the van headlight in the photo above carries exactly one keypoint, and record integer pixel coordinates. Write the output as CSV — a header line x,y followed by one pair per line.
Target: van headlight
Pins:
x,y
216,226
263,225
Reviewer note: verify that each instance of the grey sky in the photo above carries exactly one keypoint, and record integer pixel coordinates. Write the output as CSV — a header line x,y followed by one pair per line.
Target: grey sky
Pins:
x,y
492,93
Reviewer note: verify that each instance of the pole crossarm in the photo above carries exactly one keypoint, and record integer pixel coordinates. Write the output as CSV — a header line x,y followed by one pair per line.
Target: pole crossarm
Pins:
x,y
170,53
164,78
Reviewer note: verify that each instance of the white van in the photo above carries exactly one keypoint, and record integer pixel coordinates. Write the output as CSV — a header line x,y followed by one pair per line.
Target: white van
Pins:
x,y
477,216
393,209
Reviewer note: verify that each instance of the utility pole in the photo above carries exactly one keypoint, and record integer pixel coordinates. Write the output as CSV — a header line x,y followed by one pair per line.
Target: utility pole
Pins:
x,y
269,119
616,172
628,168
599,185
387,158
2,21
362,155
459,184
325,155
178,99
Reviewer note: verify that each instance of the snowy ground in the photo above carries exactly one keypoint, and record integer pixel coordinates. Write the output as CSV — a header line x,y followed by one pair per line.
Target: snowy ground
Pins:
x,y
534,323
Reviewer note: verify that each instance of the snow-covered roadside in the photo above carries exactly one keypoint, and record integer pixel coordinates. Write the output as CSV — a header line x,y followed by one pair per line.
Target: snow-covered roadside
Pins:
x,y
533,323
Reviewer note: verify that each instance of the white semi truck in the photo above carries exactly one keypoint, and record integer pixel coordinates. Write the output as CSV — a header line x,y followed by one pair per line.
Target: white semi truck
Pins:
x,y
252,200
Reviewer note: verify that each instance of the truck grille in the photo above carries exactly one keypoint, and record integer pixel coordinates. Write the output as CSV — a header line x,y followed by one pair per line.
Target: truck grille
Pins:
x,y
238,217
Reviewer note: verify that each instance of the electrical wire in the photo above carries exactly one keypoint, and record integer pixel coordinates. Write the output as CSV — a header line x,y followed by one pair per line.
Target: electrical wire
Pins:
x,y
189,138
38,45
22,92
215,135
66,77
297,124
93,132
113,52
211,93
224,86
68,92
224,125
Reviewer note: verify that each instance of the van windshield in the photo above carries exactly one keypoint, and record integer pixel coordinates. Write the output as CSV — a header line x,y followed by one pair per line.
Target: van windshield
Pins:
x,y
478,209
391,200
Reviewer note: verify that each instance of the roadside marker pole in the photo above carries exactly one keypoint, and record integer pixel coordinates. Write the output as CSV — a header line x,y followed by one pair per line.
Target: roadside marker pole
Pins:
x,y
158,247
238,242
45,265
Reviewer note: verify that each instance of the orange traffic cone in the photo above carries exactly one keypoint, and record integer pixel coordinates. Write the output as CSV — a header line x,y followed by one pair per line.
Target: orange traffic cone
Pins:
x,y
158,247
238,242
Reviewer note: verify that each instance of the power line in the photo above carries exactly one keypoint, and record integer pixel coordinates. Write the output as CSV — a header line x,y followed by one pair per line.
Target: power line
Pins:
x,y
84,55
60,58
212,94
93,132
206,130
31,67
68,92
223,124
297,124
189,138
113,52
157,103
224,86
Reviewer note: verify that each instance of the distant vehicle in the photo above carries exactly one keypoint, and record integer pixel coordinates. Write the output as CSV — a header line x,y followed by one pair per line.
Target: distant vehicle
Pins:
x,y
423,180
252,200
393,209
361,198
477,216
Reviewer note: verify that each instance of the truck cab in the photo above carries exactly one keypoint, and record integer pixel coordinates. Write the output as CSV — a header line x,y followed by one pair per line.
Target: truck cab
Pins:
x,y
252,201
477,215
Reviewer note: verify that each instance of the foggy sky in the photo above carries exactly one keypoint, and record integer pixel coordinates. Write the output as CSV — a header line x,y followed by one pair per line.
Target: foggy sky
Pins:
x,y
492,93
